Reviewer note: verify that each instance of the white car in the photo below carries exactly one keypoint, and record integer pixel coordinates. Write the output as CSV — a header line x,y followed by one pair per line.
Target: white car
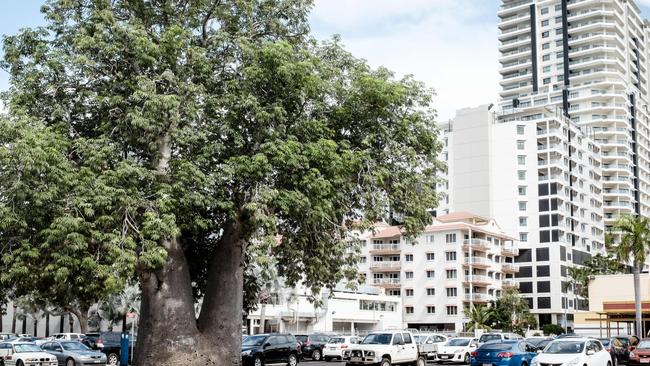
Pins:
x,y
385,348
336,346
67,336
27,354
457,350
574,352
430,343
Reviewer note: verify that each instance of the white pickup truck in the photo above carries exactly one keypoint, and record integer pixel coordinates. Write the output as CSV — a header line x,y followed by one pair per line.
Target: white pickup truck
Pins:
x,y
385,348
429,343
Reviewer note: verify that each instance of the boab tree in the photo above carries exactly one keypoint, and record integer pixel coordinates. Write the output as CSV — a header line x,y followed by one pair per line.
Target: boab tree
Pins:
x,y
172,139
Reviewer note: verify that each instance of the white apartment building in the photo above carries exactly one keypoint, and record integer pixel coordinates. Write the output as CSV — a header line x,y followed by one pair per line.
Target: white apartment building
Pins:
x,y
460,259
539,175
589,58
342,311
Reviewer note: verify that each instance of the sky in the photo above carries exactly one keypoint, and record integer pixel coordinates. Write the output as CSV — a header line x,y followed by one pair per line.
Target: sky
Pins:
x,y
451,45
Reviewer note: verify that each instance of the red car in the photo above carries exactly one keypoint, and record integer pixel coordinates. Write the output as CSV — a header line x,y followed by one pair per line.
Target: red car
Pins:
x,y
641,353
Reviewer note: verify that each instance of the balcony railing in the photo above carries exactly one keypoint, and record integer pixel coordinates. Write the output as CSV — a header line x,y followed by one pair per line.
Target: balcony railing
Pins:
x,y
477,243
386,281
388,247
478,278
386,265
508,283
510,267
478,261
477,297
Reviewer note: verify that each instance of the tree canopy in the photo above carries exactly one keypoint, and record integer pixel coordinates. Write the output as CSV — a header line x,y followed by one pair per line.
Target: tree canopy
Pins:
x,y
181,140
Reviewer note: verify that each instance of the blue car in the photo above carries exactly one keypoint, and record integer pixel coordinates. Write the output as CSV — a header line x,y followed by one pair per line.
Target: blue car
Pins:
x,y
504,353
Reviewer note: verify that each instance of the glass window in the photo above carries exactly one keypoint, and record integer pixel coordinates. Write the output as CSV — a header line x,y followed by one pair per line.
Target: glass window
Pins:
x,y
523,237
409,292
431,257
452,292
407,338
431,309
431,274
450,256
409,309
409,275
521,159
521,190
521,144
408,257
523,221
545,34
397,338
452,310
451,274
431,292
520,130
522,206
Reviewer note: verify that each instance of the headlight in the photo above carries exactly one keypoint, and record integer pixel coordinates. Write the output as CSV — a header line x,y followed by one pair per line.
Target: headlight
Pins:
x,y
31,359
370,353
246,353
535,362
346,353
573,362
459,351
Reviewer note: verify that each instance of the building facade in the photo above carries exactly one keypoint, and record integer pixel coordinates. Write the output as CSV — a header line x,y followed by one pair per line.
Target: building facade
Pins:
x,y
588,58
459,260
539,175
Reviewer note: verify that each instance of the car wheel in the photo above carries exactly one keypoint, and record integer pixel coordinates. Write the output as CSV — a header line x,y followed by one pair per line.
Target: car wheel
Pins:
x,y
327,359
293,360
113,359
466,359
69,362
18,363
421,361
316,355
258,361
385,362
609,363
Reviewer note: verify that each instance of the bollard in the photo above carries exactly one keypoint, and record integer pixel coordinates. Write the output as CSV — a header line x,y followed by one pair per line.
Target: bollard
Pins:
x,y
124,350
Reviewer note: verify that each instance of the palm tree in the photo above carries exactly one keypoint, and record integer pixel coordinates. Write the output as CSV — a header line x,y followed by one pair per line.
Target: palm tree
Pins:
x,y
633,249
479,317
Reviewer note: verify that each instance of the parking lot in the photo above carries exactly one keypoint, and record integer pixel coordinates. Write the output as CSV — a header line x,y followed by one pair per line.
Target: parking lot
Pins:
x,y
338,363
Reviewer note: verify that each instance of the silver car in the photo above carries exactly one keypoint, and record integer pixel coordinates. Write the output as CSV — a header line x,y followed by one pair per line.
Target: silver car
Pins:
x,y
73,353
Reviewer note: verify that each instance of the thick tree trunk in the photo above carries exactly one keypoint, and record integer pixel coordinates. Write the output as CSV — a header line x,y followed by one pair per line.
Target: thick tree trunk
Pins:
x,y
636,270
82,317
70,323
24,330
61,323
35,327
167,331
262,317
221,313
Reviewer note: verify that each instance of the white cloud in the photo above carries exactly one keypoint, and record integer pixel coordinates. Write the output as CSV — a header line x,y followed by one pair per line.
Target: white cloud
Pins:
x,y
451,45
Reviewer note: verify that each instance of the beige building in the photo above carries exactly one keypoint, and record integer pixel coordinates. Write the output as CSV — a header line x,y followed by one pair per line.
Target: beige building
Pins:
x,y
611,306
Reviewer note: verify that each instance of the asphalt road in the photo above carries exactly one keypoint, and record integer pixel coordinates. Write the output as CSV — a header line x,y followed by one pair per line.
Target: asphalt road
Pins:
x,y
337,363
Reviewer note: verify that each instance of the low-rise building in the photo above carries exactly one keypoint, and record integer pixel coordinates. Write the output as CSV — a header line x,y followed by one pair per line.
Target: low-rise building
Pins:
x,y
459,260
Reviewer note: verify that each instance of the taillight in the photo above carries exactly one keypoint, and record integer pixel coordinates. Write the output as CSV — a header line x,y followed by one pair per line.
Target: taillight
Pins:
x,y
344,346
505,354
474,354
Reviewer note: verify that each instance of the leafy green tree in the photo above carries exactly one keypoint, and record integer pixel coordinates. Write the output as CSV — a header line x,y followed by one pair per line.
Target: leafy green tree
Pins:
x,y
510,312
632,248
552,329
478,317
172,139
603,265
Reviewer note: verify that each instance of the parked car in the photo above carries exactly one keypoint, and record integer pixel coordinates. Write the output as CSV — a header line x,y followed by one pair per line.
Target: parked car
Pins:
x,y
71,353
429,343
504,353
385,348
261,349
539,342
489,337
7,336
336,346
641,353
23,340
108,343
312,345
618,350
25,354
574,352
457,350
67,336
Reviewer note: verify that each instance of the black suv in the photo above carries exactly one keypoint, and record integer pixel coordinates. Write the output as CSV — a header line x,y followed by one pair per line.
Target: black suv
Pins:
x,y
109,344
261,349
312,345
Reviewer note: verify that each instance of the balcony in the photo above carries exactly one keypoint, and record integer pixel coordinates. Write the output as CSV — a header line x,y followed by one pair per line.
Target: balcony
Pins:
x,y
387,282
508,283
510,250
476,244
479,279
509,268
477,298
389,266
478,262
385,249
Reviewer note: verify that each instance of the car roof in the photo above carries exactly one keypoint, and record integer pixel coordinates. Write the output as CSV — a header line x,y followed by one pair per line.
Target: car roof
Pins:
x,y
573,339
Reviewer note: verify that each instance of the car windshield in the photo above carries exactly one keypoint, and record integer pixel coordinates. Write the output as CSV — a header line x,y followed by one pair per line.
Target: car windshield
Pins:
x,y
257,340
625,341
489,337
496,346
564,347
336,340
19,348
73,346
379,338
644,344
458,342
605,342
